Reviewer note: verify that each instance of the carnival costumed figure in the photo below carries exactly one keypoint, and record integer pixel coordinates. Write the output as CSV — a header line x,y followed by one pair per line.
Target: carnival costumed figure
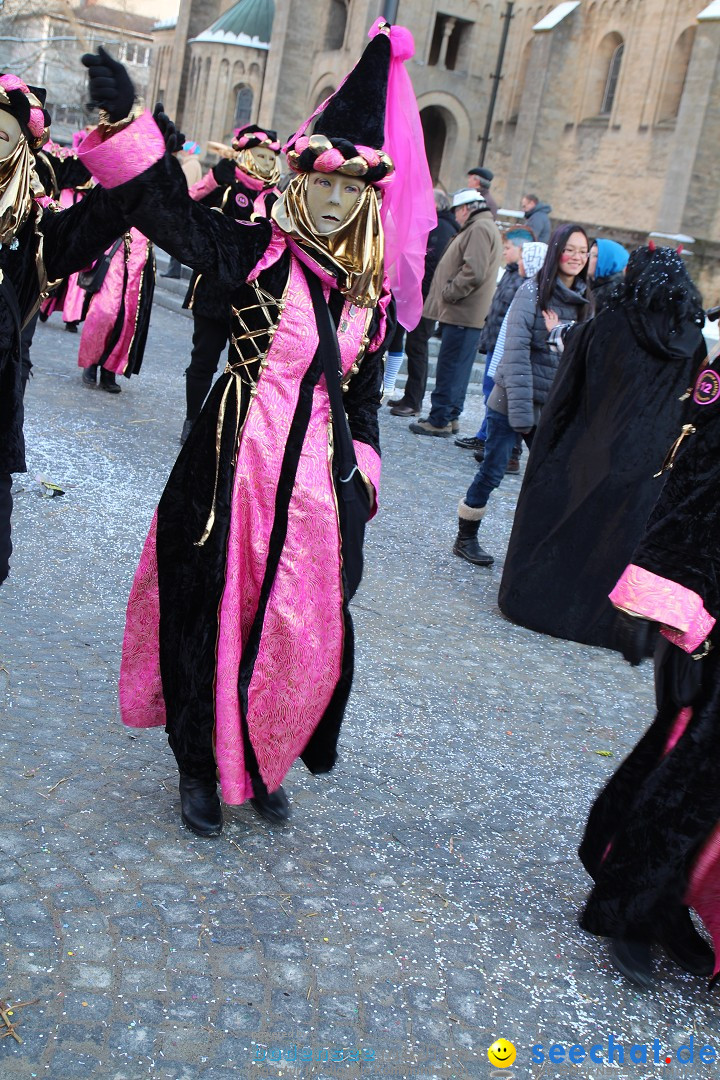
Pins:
x,y
238,636
652,841
55,166
117,319
70,182
37,245
592,479
238,186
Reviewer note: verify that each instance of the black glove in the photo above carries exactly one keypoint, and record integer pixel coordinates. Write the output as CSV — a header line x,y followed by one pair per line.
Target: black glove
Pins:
x,y
634,637
111,88
174,138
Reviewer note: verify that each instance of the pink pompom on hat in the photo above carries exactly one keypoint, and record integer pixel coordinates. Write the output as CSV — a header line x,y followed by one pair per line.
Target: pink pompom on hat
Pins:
x,y
250,136
25,103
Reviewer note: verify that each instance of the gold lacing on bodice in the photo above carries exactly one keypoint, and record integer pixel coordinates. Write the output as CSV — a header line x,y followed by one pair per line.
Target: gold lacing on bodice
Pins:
x,y
248,359
252,343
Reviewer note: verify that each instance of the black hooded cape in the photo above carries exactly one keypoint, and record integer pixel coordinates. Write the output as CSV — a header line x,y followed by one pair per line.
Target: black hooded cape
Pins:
x,y
658,808
589,487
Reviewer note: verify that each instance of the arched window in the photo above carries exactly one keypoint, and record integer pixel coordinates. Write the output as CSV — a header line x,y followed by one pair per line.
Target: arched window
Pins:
x,y
243,106
608,98
676,76
335,28
323,95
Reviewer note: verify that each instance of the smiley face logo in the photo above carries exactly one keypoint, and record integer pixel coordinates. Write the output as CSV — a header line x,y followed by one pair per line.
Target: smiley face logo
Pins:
x,y
501,1054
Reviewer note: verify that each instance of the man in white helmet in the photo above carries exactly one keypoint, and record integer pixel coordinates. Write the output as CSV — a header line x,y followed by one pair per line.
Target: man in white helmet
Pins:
x,y
459,299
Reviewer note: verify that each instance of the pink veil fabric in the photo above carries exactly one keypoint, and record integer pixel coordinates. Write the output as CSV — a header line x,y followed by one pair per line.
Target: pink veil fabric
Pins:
x,y
408,207
408,204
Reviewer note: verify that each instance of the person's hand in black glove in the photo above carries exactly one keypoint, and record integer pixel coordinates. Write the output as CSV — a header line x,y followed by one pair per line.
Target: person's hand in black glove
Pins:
x,y
111,87
174,138
634,637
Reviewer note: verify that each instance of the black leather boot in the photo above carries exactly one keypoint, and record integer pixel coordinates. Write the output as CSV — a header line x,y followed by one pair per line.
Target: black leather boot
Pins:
x,y
634,960
466,544
108,383
200,806
89,376
685,946
273,806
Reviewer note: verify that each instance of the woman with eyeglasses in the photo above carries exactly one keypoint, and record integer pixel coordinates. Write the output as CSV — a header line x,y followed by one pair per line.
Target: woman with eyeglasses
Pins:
x,y
525,374
591,481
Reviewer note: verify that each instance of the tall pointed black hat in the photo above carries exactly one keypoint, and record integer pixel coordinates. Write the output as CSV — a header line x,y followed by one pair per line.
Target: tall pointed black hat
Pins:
x,y
352,119
356,111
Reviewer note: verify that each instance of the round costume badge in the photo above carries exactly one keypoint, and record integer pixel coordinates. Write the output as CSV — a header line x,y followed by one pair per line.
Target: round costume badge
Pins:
x,y
707,387
242,200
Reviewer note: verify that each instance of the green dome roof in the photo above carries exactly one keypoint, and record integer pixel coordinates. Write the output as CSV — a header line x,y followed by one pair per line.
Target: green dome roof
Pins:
x,y
249,22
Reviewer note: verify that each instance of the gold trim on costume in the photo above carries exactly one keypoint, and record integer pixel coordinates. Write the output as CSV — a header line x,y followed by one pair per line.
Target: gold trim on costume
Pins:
x,y
18,183
110,127
240,370
672,453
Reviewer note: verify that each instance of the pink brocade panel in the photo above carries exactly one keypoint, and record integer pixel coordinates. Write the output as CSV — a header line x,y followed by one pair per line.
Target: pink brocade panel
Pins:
x,y
703,892
141,697
125,155
74,300
370,464
298,663
105,307
664,601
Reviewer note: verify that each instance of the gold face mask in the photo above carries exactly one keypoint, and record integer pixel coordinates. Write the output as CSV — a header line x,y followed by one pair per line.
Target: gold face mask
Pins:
x,y
354,251
18,181
257,167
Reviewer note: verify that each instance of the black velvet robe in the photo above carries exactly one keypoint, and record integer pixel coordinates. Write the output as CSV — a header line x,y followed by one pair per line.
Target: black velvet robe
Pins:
x,y
205,295
658,808
589,485
70,239
191,578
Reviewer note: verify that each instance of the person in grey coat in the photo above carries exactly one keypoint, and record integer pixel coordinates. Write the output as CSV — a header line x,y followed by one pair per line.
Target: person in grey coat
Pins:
x,y
525,374
537,216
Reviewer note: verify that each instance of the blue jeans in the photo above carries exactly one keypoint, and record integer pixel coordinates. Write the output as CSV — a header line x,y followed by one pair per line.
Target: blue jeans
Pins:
x,y
487,389
501,439
458,349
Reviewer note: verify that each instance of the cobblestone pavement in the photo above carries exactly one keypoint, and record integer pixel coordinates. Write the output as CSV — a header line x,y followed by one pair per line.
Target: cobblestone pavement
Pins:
x,y
423,901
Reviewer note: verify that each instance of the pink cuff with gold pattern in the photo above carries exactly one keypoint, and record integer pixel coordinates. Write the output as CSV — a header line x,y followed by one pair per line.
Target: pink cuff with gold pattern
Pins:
x,y
681,610
369,465
125,155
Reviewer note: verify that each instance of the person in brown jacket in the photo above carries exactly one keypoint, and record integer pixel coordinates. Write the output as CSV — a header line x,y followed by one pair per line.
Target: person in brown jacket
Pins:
x,y
459,299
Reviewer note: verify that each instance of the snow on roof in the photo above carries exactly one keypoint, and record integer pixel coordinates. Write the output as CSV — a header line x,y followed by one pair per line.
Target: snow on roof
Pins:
x,y
557,15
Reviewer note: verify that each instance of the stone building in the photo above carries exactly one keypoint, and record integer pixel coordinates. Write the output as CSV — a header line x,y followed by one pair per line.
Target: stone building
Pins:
x,y
608,109
42,43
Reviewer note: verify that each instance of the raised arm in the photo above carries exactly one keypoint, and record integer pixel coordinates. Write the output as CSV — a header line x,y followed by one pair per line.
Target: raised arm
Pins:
x,y
148,186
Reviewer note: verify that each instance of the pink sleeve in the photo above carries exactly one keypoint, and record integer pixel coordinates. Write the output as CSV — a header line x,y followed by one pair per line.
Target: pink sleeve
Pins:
x,y
204,187
125,155
369,465
681,610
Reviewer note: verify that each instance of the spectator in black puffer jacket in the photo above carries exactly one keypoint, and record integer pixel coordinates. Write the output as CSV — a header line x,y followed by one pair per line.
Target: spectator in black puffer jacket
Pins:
x,y
525,374
416,344
508,285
